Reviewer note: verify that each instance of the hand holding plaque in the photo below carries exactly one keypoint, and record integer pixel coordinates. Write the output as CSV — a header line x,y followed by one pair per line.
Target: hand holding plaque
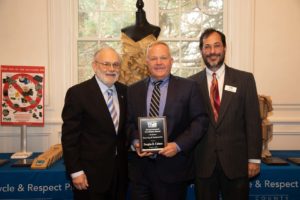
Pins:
x,y
153,133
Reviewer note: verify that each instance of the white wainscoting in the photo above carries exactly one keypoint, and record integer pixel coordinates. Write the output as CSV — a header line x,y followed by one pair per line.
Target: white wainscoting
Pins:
x,y
37,140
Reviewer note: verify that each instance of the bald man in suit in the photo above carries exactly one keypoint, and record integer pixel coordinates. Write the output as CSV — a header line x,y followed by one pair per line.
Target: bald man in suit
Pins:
x,y
229,154
93,136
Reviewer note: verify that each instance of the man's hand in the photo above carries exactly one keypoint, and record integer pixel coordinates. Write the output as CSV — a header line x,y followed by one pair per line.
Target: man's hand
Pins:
x,y
80,182
138,151
253,169
170,150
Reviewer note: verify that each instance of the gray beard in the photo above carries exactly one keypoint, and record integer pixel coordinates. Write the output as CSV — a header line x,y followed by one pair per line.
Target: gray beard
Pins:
x,y
214,67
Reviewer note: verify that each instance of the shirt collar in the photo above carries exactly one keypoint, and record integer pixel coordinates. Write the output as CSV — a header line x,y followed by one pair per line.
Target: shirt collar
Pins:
x,y
104,87
219,72
165,80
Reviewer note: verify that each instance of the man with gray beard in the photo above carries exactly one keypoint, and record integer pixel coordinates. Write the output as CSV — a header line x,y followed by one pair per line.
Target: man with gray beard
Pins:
x,y
93,132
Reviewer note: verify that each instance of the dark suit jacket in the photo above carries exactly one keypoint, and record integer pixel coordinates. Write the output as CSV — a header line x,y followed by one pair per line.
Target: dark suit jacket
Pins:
x,y
89,138
236,136
186,124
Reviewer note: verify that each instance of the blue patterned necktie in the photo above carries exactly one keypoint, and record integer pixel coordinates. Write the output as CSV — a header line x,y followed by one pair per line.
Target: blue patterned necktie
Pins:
x,y
112,110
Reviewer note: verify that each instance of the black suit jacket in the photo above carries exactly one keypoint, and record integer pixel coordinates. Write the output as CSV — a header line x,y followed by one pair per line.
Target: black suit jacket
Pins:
x,y
89,138
236,136
186,124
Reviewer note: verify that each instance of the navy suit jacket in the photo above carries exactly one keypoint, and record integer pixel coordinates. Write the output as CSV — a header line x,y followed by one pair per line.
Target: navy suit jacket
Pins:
x,y
236,136
89,138
186,124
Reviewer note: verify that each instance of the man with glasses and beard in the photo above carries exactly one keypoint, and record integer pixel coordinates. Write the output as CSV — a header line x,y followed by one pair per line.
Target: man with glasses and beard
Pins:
x,y
229,154
93,132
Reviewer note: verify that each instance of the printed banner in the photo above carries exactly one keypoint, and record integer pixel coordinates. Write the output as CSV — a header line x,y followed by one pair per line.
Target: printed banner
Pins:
x,y
22,96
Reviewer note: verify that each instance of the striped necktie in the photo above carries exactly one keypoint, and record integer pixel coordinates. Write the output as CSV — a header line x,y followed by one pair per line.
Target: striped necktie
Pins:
x,y
111,108
214,97
155,99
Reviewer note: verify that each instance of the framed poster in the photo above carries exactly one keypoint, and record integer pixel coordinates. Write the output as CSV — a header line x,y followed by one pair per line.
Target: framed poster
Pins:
x,y
22,96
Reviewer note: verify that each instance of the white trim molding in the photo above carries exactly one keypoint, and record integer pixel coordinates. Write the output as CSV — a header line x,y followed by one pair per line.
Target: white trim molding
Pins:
x,y
239,31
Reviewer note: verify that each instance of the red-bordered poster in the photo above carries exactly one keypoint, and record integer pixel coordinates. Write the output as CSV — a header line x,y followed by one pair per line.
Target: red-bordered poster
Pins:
x,y
22,96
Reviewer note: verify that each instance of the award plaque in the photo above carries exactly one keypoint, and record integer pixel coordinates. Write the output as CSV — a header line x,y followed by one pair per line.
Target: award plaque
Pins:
x,y
153,133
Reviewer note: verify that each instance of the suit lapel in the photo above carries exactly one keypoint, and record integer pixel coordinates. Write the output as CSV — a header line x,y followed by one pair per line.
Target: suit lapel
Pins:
x,y
170,94
100,105
204,89
121,105
226,96
142,97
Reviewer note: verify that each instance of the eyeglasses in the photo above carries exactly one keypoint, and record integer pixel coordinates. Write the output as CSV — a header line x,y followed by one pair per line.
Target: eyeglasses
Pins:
x,y
162,58
115,65
208,47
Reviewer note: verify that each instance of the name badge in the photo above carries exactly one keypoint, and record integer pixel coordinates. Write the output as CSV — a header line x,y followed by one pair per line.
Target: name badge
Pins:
x,y
230,88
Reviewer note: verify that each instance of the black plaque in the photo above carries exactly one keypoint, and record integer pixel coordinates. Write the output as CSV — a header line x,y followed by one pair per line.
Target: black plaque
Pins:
x,y
274,161
295,160
153,133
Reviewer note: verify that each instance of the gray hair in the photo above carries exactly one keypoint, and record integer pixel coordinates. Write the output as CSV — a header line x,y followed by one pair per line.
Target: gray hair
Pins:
x,y
107,48
155,43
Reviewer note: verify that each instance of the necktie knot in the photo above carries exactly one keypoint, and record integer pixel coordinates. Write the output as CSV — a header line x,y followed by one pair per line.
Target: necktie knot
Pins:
x,y
109,92
214,75
157,83
214,80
